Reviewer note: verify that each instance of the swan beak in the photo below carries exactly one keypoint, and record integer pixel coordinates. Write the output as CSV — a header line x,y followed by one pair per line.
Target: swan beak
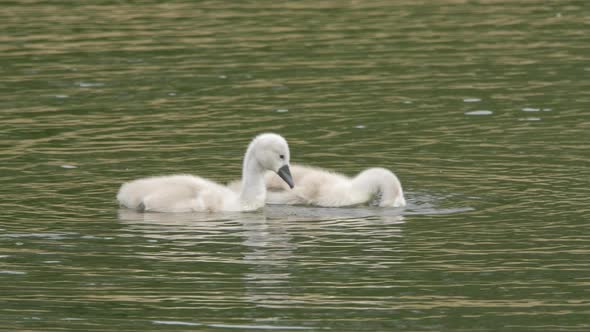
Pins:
x,y
285,174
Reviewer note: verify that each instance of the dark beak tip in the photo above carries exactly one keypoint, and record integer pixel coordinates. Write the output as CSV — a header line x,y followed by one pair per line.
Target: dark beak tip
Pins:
x,y
285,174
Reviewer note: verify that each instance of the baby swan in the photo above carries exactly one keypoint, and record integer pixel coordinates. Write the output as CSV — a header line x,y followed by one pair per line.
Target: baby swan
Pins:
x,y
320,187
187,193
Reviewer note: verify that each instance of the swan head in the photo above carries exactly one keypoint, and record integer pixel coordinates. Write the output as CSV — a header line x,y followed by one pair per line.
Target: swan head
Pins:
x,y
271,152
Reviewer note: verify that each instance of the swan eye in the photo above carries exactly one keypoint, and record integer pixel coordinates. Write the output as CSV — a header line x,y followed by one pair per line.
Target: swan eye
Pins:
x,y
282,156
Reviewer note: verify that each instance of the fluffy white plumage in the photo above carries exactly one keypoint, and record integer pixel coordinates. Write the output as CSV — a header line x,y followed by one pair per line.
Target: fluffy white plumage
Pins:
x,y
187,193
320,187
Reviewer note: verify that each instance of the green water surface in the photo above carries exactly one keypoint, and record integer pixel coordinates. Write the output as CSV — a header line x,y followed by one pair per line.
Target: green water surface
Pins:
x,y
480,108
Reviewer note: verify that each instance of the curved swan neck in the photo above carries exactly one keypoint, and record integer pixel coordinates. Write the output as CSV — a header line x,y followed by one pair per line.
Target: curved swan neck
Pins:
x,y
380,181
253,193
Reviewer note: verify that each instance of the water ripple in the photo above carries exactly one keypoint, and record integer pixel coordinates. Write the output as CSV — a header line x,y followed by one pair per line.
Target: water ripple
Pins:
x,y
475,106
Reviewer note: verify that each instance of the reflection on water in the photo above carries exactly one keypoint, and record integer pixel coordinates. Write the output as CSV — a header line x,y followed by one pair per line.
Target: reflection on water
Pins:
x,y
267,247
269,254
478,107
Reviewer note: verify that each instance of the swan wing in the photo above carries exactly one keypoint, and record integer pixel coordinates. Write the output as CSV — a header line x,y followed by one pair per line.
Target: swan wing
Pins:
x,y
176,193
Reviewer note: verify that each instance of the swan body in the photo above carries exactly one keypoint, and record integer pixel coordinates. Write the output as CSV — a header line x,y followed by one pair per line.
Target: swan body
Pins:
x,y
188,193
320,187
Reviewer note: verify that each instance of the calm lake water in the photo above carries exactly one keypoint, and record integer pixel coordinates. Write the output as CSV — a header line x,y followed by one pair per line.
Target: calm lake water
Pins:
x,y
480,107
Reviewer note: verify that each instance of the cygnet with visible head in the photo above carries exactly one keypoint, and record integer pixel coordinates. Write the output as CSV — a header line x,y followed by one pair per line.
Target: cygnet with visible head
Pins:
x,y
187,193
320,187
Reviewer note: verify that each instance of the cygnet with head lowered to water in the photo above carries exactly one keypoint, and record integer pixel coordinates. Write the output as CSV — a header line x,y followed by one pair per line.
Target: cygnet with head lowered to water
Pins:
x,y
321,187
188,193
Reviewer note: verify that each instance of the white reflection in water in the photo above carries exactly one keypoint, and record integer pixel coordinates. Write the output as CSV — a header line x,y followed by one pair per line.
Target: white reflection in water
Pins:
x,y
269,253
471,100
479,112
12,272
89,84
